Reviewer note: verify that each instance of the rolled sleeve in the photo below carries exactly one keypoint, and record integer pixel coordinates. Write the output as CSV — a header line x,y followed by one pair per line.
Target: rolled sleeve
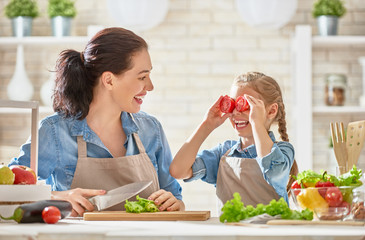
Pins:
x,y
199,170
276,166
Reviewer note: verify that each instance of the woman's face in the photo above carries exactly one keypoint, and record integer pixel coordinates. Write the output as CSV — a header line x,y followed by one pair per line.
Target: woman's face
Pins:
x,y
131,86
240,120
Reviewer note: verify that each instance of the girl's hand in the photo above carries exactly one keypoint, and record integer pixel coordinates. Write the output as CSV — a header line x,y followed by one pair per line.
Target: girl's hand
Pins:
x,y
214,117
258,110
166,201
78,198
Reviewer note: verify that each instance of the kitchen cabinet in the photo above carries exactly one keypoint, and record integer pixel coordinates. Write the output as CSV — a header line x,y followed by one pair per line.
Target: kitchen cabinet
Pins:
x,y
303,110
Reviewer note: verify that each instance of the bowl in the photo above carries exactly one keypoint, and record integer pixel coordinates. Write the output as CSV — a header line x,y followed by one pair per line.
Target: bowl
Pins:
x,y
322,197
331,213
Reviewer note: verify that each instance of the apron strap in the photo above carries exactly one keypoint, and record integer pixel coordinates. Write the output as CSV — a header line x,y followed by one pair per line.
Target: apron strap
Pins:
x,y
81,147
139,143
137,139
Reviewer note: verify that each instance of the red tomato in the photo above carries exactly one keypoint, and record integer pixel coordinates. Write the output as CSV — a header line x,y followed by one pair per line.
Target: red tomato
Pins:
x,y
334,197
242,104
227,104
323,186
295,185
51,214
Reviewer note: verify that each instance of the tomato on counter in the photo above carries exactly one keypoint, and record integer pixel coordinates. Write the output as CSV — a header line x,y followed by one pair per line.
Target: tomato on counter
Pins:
x,y
51,214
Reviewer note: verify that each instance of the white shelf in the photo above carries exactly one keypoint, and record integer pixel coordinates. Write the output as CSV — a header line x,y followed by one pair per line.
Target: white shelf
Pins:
x,y
336,41
14,110
304,111
46,40
319,110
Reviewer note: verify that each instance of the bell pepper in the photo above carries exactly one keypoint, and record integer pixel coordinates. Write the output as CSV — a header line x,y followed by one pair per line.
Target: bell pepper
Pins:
x,y
311,199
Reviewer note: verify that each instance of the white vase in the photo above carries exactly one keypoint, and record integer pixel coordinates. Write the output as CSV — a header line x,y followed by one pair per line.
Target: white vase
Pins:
x,y
20,87
47,90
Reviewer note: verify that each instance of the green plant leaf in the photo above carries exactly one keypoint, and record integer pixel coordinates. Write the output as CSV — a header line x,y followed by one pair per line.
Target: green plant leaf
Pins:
x,y
64,8
25,8
328,7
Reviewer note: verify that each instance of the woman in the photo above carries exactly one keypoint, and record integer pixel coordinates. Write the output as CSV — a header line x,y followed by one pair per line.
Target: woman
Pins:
x,y
98,139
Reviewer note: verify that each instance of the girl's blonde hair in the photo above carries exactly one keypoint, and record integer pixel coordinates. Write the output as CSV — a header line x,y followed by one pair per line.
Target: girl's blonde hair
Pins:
x,y
269,89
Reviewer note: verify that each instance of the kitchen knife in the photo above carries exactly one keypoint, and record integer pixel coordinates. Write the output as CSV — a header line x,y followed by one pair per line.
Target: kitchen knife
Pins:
x,y
118,195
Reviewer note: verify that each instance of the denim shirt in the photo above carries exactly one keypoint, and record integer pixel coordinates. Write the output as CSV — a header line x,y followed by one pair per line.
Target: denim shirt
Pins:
x,y
275,166
57,156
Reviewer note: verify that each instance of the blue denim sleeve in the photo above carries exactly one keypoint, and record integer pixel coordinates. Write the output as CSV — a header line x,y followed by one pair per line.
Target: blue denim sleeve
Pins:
x,y
164,159
206,163
47,157
276,166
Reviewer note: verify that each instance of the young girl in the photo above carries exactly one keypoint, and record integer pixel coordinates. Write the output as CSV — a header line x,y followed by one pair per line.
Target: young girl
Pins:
x,y
256,166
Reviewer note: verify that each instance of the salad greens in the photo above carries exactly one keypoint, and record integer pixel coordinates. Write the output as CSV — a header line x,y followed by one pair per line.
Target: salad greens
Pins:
x,y
309,178
235,211
141,205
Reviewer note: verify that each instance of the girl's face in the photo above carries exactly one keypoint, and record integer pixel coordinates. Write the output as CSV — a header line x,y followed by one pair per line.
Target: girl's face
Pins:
x,y
131,86
240,120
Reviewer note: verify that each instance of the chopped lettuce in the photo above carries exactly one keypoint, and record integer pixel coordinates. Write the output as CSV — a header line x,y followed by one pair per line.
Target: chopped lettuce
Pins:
x,y
351,178
235,211
141,205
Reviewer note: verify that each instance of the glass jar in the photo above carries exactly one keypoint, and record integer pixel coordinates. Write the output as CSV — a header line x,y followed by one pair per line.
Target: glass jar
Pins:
x,y
358,206
335,89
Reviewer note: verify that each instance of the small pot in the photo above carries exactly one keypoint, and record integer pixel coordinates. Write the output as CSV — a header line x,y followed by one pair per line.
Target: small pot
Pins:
x,y
327,25
61,26
22,26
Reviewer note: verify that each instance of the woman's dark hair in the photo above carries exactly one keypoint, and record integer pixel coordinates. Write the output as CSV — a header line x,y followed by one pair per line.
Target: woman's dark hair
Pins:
x,y
77,73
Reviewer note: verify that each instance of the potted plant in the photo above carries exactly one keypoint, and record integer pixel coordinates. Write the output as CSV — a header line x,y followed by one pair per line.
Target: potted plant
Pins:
x,y
327,13
61,13
22,13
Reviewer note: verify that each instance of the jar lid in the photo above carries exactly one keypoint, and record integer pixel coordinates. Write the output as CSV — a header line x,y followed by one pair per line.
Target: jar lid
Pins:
x,y
336,80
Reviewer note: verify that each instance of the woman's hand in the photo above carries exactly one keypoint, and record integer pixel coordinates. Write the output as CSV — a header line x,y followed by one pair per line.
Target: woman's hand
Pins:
x,y
78,198
166,201
214,117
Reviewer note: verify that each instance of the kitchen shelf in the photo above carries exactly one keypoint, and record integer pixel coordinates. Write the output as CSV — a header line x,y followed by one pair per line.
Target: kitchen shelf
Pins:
x,y
46,40
319,110
337,41
8,110
303,44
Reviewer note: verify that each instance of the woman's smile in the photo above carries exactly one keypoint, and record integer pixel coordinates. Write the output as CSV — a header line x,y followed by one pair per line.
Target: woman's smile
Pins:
x,y
139,98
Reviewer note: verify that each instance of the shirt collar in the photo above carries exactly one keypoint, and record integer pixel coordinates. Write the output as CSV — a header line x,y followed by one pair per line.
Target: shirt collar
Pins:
x,y
250,149
80,127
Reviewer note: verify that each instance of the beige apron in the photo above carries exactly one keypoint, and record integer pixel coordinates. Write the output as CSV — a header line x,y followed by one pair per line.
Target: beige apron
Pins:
x,y
242,175
109,173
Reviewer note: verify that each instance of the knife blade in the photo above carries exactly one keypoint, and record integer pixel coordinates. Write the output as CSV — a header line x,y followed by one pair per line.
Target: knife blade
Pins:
x,y
118,195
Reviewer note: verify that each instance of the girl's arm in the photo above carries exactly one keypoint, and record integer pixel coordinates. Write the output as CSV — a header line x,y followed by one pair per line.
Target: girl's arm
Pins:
x,y
180,167
260,119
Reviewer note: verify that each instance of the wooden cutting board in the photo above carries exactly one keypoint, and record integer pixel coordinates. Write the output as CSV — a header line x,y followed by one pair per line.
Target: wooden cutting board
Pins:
x,y
156,216
322,222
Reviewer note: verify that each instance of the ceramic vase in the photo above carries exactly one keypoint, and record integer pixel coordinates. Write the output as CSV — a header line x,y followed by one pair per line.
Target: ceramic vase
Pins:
x,y
47,90
20,87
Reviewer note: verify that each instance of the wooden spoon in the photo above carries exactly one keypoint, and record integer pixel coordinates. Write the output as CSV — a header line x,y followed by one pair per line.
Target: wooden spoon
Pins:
x,y
355,141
